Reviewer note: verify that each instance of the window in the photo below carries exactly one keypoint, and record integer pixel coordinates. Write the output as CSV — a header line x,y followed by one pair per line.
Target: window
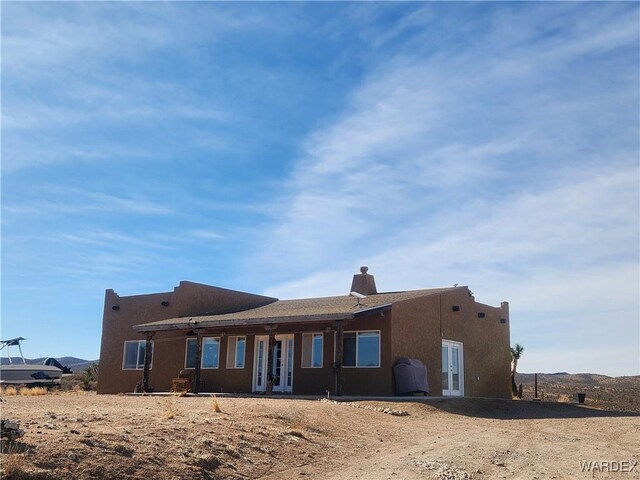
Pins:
x,y
235,352
210,352
361,349
191,354
312,350
134,351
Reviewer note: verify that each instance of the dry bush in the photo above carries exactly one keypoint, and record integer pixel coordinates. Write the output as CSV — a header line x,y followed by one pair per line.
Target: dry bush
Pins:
x,y
295,419
9,391
33,391
214,406
170,409
563,398
14,461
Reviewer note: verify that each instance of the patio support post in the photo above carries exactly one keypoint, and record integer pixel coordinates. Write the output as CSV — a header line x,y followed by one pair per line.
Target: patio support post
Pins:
x,y
271,347
195,388
147,362
339,355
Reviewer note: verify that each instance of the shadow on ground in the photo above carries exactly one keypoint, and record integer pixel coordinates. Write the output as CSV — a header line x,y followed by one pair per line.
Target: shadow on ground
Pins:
x,y
520,409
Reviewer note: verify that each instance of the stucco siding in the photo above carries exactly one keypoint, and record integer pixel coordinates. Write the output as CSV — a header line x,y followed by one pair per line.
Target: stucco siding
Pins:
x,y
420,325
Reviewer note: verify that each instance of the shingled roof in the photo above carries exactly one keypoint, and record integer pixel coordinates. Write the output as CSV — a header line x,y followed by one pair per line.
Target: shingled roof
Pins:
x,y
305,310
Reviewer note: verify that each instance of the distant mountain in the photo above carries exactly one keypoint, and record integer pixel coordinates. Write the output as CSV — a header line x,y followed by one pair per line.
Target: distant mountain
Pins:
x,y
74,363
602,391
588,378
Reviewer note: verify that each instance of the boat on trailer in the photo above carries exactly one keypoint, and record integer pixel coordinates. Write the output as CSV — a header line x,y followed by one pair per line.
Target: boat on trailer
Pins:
x,y
48,373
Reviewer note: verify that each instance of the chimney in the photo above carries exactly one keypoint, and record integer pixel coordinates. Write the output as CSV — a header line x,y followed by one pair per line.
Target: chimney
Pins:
x,y
364,283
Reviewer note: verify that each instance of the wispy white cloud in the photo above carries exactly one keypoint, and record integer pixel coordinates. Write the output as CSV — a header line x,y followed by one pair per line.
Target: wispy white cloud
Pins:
x,y
94,67
205,234
45,35
508,165
113,240
75,201
419,136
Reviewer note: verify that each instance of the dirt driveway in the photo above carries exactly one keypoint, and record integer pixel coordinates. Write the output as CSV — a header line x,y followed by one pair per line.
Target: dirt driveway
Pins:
x,y
85,436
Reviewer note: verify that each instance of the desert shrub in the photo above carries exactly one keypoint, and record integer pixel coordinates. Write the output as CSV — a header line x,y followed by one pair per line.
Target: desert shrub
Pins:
x,y
78,389
14,461
72,383
86,380
33,391
214,405
169,408
294,419
89,377
9,391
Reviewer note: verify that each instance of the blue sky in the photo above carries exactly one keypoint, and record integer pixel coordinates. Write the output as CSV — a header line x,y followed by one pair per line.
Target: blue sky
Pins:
x,y
276,147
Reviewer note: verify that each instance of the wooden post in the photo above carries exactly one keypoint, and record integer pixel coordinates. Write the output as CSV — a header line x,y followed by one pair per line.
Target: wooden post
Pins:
x,y
339,357
271,346
147,362
195,388
535,384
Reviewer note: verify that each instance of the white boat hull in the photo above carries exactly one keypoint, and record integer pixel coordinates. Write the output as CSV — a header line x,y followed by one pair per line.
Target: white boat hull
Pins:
x,y
16,374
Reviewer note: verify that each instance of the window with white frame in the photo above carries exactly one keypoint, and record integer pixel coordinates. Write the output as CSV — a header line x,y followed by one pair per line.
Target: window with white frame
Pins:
x,y
210,356
361,349
210,352
312,350
235,352
134,352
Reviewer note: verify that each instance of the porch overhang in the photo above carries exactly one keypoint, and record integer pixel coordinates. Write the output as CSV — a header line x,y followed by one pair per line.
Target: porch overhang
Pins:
x,y
242,320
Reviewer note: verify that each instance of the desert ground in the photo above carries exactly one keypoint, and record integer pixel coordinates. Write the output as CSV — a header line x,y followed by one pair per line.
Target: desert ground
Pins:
x,y
87,436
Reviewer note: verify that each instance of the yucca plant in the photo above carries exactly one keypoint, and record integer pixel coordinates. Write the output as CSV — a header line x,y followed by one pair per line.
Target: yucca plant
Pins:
x,y
516,353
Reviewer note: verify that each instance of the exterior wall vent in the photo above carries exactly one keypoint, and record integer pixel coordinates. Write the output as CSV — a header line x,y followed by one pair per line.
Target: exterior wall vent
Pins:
x,y
503,320
480,314
115,307
165,304
455,308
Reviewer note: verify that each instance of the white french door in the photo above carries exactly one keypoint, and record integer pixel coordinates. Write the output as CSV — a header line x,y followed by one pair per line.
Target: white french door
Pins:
x,y
282,369
260,364
452,369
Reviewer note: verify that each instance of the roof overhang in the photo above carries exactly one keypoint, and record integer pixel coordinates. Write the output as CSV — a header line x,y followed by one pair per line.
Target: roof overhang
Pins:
x,y
193,322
